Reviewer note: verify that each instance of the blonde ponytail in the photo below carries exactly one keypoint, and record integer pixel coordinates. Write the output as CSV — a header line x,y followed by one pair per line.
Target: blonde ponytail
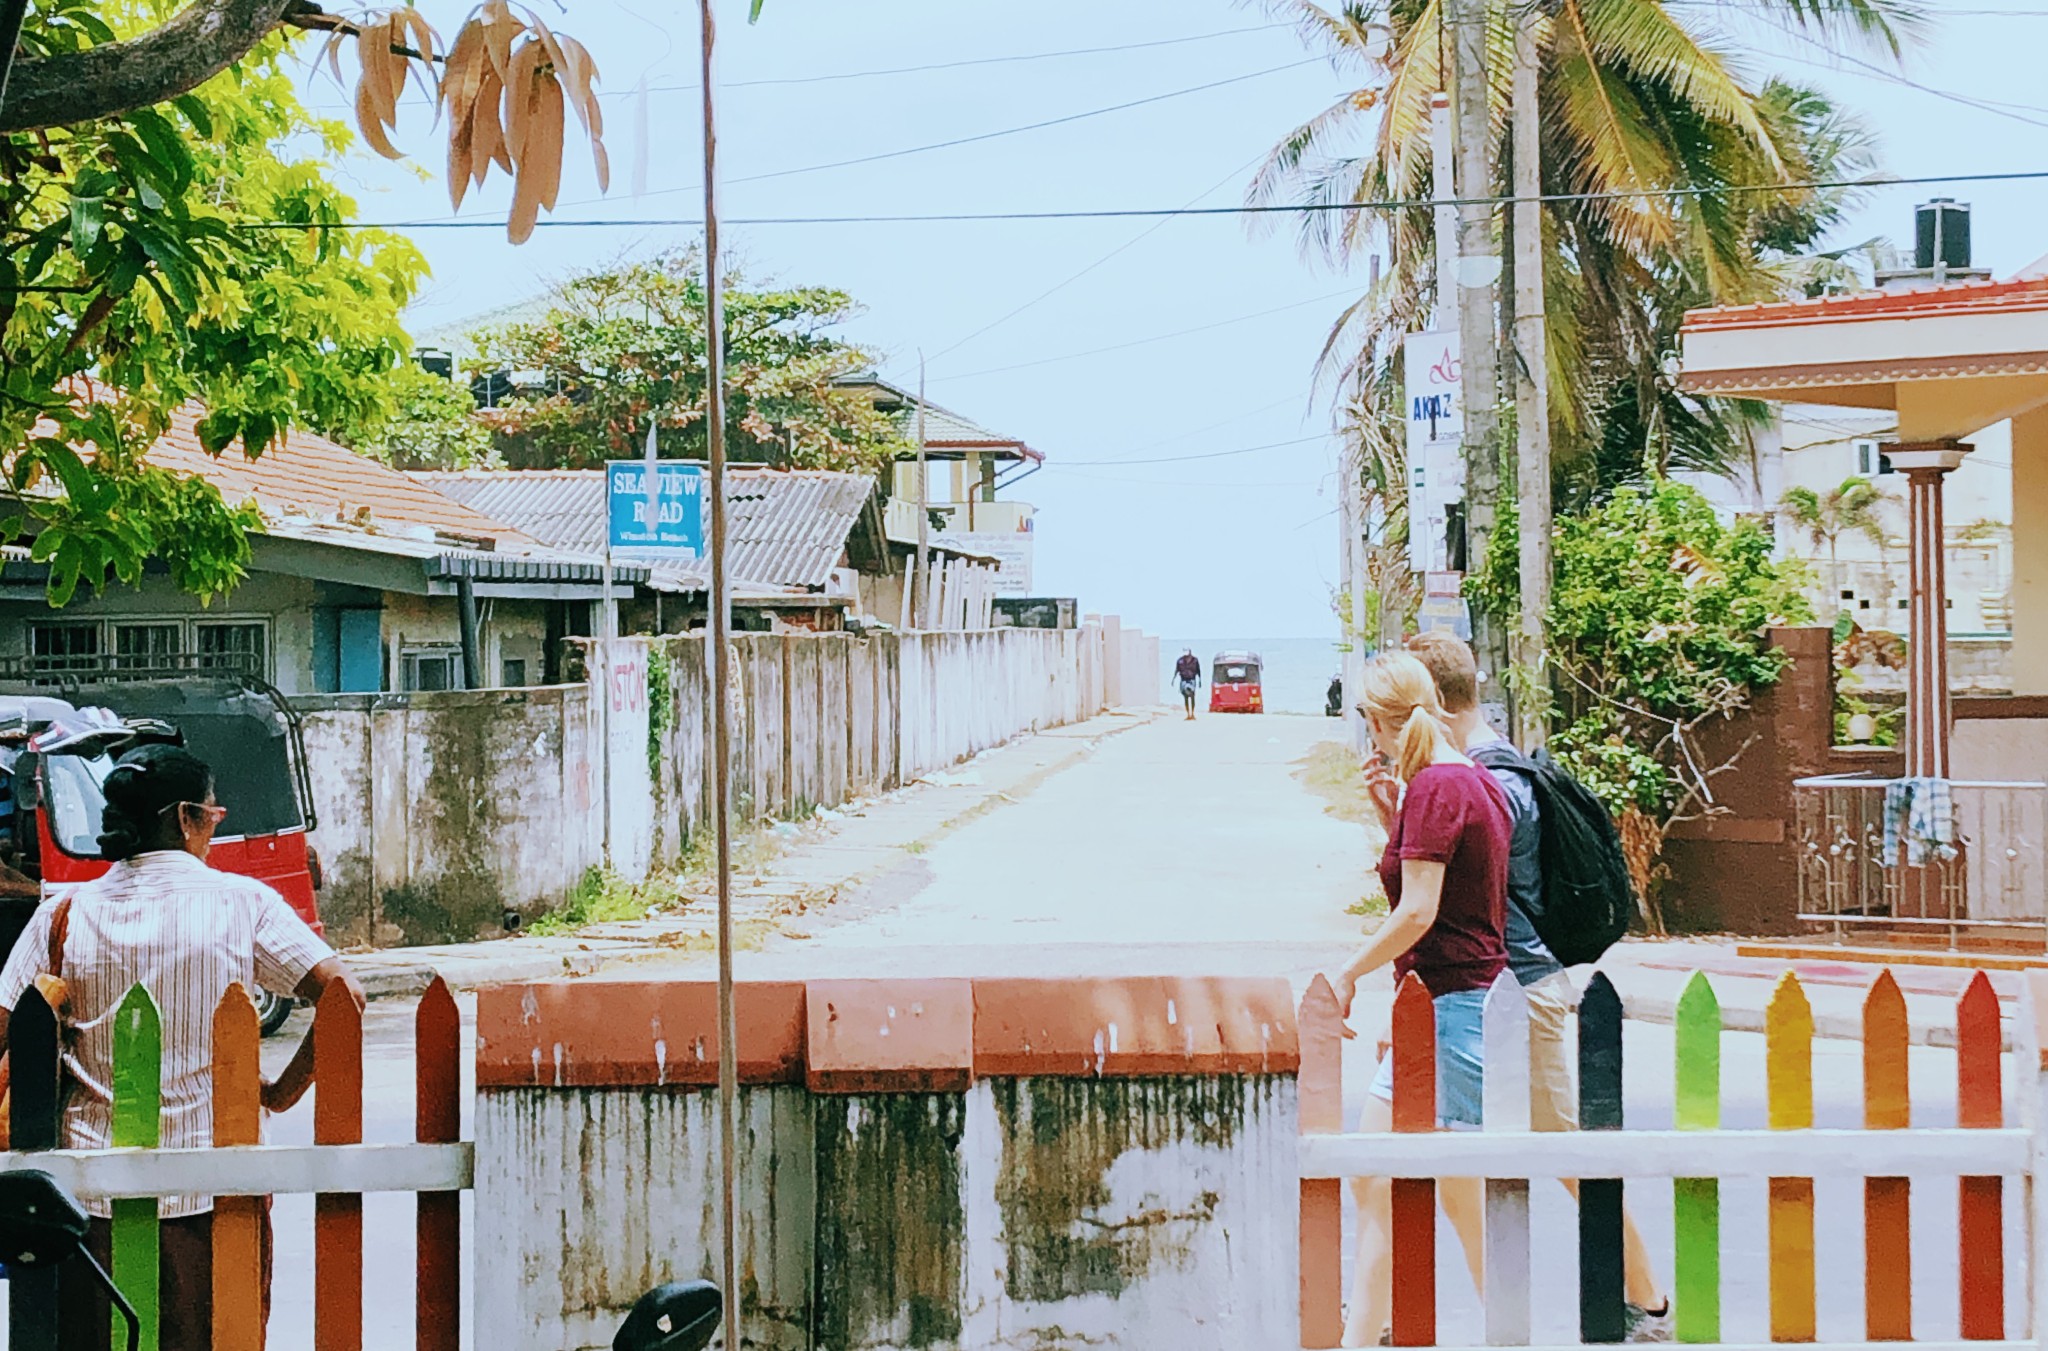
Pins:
x,y
1418,743
1398,692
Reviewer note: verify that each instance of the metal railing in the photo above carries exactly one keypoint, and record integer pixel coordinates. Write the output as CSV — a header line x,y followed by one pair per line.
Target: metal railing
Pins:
x,y
1997,881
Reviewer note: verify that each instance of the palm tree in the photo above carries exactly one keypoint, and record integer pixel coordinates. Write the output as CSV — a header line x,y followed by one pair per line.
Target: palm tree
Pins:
x,y
1635,102
1850,508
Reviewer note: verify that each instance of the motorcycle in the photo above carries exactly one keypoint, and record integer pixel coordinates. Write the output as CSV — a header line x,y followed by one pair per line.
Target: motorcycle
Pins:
x,y
1333,702
42,1227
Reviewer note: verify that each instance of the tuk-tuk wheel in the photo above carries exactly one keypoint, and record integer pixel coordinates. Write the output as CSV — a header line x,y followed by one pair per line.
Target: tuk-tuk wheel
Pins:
x,y
272,1010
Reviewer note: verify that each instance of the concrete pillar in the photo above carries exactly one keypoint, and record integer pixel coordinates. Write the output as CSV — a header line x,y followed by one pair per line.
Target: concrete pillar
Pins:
x,y
1926,464
2030,553
1113,661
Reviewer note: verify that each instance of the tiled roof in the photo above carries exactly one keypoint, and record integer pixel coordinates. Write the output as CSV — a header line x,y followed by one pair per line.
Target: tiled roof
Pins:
x,y
1972,297
308,476
789,528
943,428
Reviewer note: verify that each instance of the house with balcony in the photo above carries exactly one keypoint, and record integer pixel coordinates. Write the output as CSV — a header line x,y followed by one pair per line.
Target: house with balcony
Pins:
x,y
969,470
1942,365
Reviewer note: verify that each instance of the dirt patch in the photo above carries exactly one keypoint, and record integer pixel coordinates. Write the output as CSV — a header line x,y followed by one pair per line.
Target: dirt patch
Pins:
x,y
1331,771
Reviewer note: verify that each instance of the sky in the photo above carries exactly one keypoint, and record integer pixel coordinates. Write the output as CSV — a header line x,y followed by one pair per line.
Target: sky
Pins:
x,y
1164,368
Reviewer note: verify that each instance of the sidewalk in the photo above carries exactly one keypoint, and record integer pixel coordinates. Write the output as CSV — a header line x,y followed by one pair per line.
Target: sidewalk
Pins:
x,y
1650,977
842,856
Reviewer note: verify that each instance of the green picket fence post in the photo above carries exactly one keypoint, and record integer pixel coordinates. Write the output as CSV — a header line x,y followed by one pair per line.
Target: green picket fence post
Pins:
x,y
137,1124
1696,1201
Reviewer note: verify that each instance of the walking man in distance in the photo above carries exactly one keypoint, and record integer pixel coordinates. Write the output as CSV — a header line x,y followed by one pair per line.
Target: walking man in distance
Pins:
x,y
1188,671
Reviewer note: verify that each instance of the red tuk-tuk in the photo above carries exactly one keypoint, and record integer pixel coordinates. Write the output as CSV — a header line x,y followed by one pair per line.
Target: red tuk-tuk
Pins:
x,y
1234,683
56,752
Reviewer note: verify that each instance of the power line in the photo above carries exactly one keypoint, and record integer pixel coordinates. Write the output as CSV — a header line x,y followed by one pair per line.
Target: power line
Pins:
x,y
2015,111
879,156
1182,459
965,63
1130,213
1051,291
1157,337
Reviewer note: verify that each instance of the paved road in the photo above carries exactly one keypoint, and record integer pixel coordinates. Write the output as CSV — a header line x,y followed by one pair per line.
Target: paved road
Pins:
x,y
1192,848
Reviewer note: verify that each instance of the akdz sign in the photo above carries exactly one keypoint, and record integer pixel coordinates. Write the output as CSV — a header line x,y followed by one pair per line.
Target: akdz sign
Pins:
x,y
669,518
1436,430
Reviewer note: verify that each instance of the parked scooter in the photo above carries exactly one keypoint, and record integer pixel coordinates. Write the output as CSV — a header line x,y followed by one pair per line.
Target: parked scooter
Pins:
x,y
42,1227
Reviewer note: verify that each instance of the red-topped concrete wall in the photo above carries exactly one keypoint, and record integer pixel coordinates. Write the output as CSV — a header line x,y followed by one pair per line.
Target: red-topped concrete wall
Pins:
x,y
923,1163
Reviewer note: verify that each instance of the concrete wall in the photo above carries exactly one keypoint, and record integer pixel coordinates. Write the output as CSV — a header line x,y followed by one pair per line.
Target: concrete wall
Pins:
x,y
930,1164
441,812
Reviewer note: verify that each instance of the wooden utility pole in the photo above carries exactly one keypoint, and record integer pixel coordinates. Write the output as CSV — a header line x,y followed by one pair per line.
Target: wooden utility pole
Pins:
x,y
721,714
1532,383
1478,268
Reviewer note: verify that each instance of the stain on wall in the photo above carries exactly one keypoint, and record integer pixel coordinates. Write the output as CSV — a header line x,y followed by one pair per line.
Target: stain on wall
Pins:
x,y
891,1237
1066,1231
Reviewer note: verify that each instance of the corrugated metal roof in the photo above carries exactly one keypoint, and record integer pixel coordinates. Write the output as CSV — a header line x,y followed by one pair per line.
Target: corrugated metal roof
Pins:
x,y
789,527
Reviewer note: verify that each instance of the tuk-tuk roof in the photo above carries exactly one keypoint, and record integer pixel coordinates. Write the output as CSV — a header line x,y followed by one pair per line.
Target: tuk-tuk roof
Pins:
x,y
1247,658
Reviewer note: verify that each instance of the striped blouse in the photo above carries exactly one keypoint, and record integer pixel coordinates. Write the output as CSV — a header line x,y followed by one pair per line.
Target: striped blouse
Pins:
x,y
185,932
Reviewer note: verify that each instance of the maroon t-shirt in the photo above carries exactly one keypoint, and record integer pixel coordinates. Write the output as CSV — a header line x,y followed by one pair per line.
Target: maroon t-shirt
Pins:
x,y
1458,816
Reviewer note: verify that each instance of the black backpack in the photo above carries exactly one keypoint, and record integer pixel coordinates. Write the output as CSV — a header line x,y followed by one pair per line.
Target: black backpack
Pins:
x,y
1587,896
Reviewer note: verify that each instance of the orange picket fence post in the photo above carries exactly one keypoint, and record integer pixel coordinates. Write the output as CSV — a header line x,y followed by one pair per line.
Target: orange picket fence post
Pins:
x,y
237,1220
338,1217
1887,1201
1414,1198
1980,1202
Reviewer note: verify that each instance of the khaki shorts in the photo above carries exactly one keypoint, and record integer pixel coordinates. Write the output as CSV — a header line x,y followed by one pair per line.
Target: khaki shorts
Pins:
x,y
1553,1088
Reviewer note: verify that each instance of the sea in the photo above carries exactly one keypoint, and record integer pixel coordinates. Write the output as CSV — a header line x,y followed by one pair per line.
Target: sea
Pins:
x,y
1297,670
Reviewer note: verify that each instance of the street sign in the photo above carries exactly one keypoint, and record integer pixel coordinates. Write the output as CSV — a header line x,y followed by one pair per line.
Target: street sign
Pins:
x,y
1436,462
676,503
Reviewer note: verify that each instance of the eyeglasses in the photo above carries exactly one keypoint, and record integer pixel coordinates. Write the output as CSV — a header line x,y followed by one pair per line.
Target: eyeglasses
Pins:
x,y
212,814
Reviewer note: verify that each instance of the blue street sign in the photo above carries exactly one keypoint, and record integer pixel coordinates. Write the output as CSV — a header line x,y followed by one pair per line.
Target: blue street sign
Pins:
x,y
678,501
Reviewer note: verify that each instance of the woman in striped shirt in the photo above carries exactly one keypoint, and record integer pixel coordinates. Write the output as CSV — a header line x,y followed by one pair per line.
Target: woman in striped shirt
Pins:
x,y
162,919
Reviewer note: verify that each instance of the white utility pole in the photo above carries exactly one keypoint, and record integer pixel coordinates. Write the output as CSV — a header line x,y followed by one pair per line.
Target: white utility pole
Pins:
x,y
1532,379
1478,268
924,512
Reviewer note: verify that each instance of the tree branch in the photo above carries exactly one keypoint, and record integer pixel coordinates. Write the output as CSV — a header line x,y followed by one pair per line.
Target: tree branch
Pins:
x,y
204,39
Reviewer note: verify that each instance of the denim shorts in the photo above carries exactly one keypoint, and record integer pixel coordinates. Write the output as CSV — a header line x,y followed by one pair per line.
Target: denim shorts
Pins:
x,y
1460,1060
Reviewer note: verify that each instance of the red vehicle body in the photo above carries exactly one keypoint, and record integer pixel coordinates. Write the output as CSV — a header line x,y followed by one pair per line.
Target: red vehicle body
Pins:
x,y
1234,683
56,752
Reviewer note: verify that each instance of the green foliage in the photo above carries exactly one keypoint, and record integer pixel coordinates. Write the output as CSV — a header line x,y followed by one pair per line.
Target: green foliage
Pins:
x,y
1656,627
622,346
600,898
661,705
134,283
431,423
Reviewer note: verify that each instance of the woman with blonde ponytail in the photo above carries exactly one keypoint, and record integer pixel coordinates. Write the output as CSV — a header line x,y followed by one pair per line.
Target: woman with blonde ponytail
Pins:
x,y
1445,870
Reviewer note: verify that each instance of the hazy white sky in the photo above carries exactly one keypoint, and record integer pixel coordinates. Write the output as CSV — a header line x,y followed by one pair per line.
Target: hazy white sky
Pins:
x,y
1211,331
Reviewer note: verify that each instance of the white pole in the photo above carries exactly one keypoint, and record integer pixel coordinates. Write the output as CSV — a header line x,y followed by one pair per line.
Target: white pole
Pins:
x,y
608,630
721,711
924,511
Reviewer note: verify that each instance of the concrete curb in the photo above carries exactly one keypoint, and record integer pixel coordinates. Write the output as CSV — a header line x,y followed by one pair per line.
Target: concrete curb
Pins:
x,y
387,975
1648,1008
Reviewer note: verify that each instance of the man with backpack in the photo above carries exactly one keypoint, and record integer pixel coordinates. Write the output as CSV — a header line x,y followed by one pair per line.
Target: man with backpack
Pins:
x,y
1187,672
1568,897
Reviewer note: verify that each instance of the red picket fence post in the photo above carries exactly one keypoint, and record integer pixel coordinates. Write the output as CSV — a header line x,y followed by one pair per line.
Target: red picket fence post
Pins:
x,y
1414,1198
337,1218
437,1030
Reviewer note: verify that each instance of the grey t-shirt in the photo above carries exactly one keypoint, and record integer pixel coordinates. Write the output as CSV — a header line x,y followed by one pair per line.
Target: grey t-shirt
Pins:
x,y
1527,957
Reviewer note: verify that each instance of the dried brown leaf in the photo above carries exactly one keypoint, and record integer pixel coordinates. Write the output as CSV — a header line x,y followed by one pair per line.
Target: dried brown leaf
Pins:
x,y
460,138
499,29
543,158
487,134
601,162
462,72
519,101
369,122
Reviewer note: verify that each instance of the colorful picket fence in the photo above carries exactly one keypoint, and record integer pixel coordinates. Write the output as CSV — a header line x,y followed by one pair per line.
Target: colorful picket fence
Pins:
x,y
1693,1158
241,1172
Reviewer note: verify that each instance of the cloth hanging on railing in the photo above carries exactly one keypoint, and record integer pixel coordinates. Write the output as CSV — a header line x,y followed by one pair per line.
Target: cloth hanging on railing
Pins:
x,y
1921,814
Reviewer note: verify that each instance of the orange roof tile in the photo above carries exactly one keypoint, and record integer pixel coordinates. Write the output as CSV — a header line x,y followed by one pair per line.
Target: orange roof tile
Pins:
x,y
309,475
1955,298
